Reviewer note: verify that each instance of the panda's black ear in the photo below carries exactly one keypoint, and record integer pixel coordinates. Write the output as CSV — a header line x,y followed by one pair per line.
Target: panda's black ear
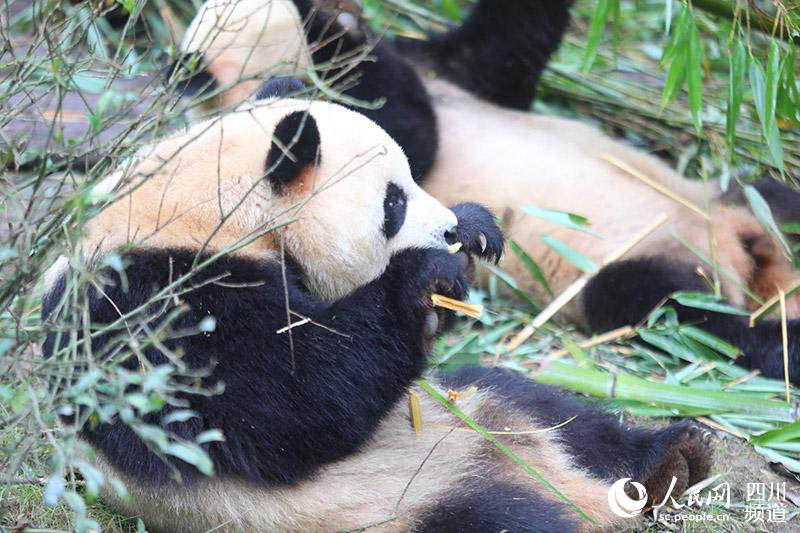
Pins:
x,y
280,87
295,146
189,75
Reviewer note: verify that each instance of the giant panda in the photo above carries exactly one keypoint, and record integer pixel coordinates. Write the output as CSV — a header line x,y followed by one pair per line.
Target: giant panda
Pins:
x,y
478,81
317,432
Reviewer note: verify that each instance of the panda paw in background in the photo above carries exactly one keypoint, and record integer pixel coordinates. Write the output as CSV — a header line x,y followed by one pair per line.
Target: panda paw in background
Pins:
x,y
478,232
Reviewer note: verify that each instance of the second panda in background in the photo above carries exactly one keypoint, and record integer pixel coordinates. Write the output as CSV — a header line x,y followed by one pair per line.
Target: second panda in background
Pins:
x,y
317,435
462,121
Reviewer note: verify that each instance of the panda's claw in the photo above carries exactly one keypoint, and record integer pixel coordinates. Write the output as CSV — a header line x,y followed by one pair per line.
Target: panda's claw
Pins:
x,y
478,232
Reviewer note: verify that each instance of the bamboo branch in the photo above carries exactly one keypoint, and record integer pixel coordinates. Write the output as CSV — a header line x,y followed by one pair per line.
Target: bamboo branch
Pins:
x,y
759,19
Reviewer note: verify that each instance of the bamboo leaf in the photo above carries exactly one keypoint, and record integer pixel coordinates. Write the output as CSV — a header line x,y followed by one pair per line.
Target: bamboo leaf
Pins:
x,y
786,433
616,22
769,127
737,63
509,281
774,145
695,75
676,76
667,344
562,218
530,265
710,340
763,213
672,50
599,18
569,253
772,82
707,301
758,83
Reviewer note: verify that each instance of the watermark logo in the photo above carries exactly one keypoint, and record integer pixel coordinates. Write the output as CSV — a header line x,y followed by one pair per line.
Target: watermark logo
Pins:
x,y
765,503
623,505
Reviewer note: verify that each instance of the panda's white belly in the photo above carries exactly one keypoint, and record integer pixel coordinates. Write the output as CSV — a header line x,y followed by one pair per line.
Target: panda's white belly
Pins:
x,y
554,163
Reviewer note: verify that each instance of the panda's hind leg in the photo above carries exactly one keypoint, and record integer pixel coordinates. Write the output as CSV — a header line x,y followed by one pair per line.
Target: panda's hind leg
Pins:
x,y
594,440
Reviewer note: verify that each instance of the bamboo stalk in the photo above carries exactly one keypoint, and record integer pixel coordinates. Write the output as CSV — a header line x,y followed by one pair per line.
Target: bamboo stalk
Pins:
x,y
720,427
785,338
626,387
655,185
577,286
614,334
758,18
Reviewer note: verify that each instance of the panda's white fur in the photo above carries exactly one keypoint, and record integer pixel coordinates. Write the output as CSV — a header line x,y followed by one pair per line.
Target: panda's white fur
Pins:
x,y
245,42
184,187
556,163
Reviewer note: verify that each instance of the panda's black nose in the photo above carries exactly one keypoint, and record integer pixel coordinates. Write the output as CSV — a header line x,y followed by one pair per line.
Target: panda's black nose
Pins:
x,y
450,236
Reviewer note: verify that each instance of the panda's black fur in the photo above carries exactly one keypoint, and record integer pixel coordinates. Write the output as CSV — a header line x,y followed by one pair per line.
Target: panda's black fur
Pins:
x,y
298,407
283,415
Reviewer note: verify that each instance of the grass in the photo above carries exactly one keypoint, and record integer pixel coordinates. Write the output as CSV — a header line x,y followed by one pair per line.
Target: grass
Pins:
x,y
609,72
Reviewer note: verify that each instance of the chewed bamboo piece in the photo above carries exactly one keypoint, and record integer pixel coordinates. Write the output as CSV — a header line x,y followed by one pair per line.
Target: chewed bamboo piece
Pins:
x,y
416,412
473,310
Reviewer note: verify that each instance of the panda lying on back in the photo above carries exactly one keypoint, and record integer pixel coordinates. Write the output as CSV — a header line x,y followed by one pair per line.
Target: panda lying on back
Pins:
x,y
317,432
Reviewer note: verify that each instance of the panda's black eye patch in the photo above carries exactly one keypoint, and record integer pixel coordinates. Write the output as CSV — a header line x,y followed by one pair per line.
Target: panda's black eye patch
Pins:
x,y
394,210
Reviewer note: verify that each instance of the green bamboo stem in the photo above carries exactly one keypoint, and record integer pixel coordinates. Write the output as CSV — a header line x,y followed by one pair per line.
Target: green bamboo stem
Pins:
x,y
625,387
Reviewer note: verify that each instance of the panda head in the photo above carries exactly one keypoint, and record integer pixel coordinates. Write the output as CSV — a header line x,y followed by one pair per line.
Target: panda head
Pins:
x,y
238,43
358,202
333,188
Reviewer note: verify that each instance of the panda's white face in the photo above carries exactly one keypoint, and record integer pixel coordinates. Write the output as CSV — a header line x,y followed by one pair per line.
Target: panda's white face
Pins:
x,y
362,205
342,200
246,41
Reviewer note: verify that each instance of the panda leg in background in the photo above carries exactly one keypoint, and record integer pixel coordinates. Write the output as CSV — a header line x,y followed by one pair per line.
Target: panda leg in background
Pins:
x,y
624,292
499,51
596,440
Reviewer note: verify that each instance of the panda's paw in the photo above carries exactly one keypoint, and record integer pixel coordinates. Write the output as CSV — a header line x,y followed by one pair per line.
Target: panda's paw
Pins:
x,y
686,461
477,231
429,271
